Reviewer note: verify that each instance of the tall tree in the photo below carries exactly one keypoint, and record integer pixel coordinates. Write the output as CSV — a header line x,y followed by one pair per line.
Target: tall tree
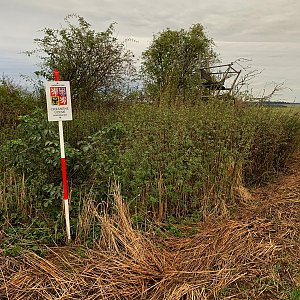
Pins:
x,y
92,61
171,65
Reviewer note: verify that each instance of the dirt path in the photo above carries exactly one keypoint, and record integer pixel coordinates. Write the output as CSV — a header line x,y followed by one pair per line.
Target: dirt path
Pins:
x,y
286,187
279,202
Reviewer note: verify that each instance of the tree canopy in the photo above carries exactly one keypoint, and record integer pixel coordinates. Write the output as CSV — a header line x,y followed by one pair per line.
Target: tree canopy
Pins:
x,y
92,61
171,65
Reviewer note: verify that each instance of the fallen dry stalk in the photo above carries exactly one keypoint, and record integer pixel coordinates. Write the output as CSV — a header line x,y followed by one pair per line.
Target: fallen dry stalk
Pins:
x,y
228,259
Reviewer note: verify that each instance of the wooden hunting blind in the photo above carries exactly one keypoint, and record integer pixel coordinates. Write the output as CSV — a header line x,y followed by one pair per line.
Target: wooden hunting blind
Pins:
x,y
219,80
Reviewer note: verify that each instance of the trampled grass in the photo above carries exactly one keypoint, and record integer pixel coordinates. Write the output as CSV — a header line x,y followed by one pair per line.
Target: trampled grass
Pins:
x,y
254,255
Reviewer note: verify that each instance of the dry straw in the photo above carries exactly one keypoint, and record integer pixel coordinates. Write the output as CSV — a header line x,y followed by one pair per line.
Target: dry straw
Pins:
x,y
251,256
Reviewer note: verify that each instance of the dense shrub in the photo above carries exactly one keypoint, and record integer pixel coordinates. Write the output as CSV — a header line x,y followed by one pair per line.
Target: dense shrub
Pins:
x,y
35,154
276,136
95,63
14,102
171,162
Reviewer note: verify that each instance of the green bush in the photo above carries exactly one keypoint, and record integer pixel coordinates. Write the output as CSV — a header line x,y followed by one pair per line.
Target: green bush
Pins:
x,y
276,136
36,156
171,162
14,102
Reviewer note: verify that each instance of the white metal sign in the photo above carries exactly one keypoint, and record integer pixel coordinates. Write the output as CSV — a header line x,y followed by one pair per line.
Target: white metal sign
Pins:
x,y
58,101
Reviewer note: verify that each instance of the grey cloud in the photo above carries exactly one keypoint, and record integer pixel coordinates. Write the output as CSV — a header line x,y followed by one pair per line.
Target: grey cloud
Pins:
x,y
267,31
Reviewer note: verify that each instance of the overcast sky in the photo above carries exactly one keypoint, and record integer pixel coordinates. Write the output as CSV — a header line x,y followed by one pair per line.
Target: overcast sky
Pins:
x,y
265,31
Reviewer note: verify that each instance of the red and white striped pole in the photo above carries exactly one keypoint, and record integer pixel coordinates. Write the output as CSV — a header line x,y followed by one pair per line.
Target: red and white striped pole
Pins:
x,y
63,169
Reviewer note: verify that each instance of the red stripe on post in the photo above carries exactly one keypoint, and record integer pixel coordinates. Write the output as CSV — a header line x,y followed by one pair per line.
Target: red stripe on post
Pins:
x,y
64,177
56,75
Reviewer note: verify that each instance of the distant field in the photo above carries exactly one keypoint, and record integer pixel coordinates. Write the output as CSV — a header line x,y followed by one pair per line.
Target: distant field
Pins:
x,y
283,104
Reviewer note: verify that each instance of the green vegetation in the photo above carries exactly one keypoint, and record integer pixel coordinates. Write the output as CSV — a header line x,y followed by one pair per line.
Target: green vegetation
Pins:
x,y
177,158
95,63
172,64
15,101
172,162
295,294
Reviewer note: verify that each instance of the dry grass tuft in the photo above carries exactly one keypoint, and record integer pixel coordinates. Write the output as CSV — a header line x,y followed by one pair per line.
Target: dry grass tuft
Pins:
x,y
254,255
